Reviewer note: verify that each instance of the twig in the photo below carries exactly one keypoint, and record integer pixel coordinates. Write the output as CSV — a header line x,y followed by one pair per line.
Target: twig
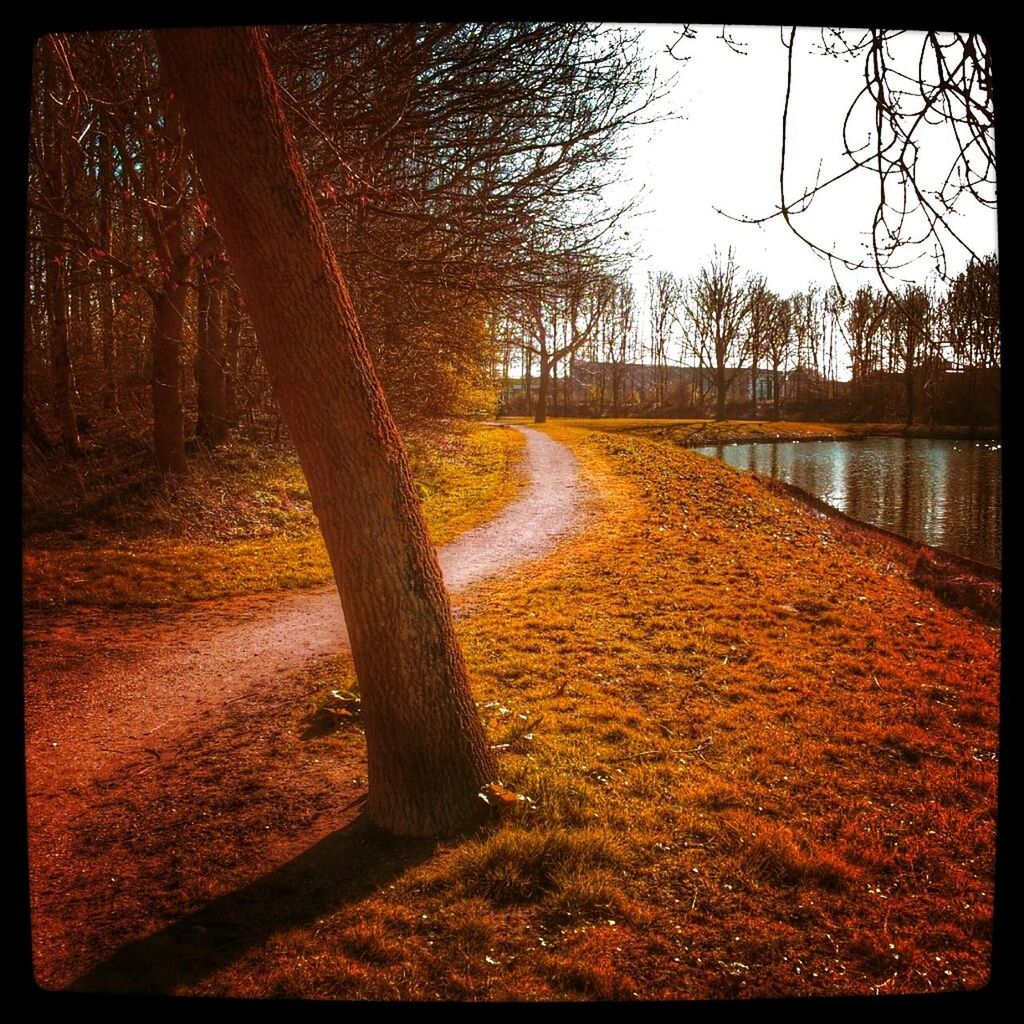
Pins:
x,y
636,757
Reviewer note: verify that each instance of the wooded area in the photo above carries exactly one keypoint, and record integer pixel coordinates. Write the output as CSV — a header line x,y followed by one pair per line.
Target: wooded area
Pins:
x,y
456,167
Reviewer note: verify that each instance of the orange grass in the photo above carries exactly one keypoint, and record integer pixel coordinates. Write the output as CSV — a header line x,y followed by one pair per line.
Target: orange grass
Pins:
x,y
694,433
755,760
242,522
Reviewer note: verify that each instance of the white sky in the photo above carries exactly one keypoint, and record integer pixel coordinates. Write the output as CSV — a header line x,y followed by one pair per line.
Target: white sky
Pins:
x,y
725,153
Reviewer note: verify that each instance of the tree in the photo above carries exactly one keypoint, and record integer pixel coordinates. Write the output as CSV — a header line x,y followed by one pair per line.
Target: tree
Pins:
x,y
664,292
761,313
971,311
864,319
910,327
778,340
427,754
562,318
718,304
54,97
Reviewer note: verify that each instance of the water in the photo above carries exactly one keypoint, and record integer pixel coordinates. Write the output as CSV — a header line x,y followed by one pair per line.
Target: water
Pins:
x,y
944,493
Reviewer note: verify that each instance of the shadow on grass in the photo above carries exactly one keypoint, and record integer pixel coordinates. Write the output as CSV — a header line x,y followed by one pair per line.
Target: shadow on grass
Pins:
x,y
340,869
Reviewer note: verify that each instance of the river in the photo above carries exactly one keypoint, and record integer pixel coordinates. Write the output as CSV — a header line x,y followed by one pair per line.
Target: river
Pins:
x,y
945,493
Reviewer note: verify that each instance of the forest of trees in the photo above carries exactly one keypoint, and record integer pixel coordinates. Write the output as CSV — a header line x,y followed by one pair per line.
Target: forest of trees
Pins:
x,y
460,170
723,343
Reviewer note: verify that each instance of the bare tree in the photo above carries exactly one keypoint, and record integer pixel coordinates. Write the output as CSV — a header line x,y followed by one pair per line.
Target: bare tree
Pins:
x,y
919,91
664,295
778,339
971,315
559,319
718,303
865,316
910,327
759,326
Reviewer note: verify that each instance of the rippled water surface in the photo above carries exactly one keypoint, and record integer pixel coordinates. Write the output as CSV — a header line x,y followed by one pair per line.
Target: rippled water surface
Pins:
x,y
944,493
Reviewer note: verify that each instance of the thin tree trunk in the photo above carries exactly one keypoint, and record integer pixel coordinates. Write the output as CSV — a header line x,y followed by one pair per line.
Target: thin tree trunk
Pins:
x,y
108,345
31,425
168,411
720,389
527,381
211,425
234,331
427,754
543,387
61,377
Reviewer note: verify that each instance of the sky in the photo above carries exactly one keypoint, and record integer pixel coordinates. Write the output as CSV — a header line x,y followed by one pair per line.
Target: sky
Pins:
x,y
724,153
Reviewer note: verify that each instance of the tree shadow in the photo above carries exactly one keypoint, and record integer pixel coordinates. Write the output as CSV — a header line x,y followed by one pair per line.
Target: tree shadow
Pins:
x,y
342,868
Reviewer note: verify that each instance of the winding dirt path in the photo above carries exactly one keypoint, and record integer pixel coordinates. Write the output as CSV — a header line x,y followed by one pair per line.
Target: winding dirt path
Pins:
x,y
121,703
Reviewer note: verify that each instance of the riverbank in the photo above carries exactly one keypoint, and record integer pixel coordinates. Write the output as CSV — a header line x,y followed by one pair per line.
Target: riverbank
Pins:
x,y
751,758
960,582
699,433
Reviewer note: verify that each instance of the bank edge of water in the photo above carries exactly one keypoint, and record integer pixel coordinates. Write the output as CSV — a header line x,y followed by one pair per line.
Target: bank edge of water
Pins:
x,y
699,433
956,580
846,432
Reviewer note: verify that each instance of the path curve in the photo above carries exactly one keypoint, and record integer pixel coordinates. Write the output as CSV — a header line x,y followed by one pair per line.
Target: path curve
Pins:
x,y
102,686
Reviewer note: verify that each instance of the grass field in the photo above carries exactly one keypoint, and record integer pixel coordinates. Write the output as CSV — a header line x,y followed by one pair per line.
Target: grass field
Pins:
x,y
242,522
753,759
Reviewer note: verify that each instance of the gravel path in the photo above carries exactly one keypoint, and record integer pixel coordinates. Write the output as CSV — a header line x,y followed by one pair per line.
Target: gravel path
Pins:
x,y
103,688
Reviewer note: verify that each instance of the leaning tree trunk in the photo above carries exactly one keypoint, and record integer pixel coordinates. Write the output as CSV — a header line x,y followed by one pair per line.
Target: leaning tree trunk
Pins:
x,y
427,753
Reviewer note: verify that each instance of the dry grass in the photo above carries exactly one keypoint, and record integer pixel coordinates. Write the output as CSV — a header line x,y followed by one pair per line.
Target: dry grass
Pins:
x,y
755,761
242,523
694,433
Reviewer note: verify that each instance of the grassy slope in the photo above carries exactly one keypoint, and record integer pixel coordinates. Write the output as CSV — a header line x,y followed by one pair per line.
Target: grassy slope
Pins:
x,y
755,760
697,432
242,523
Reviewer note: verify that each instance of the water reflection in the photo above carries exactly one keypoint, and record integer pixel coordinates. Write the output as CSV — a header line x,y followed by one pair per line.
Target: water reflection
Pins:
x,y
945,493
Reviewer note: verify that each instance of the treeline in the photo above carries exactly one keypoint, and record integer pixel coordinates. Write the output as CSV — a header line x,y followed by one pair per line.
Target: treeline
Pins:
x,y
724,344
456,166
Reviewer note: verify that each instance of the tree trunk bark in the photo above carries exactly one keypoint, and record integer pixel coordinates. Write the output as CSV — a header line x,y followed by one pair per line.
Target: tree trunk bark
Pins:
x,y
168,411
720,389
110,396
234,331
211,400
427,753
61,374
527,379
541,415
